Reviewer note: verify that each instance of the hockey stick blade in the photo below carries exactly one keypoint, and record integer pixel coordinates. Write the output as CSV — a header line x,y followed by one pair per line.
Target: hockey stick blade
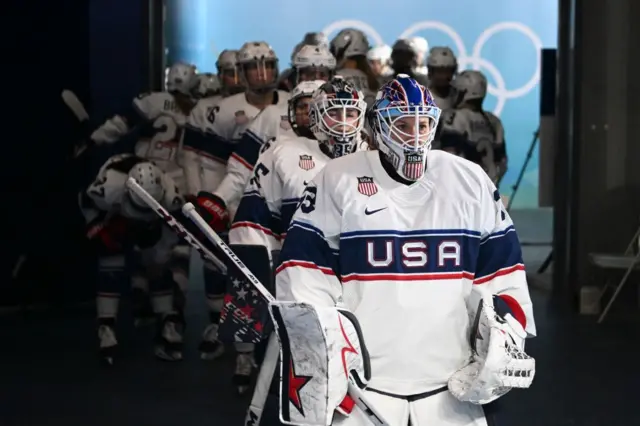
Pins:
x,y
71,100
175,225
354,391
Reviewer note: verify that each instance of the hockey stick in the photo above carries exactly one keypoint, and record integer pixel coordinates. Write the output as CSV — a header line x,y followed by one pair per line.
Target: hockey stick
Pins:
x,y
77,108
354,391
175,225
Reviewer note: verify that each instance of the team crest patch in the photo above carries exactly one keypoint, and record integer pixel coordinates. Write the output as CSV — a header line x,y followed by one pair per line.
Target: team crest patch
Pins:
x,y
306,162
366,186
284,122
241,117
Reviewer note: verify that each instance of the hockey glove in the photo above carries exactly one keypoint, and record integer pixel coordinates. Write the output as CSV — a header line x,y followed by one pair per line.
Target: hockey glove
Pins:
x,y
213,210
109,233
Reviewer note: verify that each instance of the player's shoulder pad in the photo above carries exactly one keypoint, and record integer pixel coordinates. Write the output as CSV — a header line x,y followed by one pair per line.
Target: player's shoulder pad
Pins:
x,y
455,169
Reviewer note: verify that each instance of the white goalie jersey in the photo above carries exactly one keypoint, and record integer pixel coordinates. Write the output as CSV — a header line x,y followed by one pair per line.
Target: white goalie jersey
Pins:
x,y
274,191
212,131
270,125
405,260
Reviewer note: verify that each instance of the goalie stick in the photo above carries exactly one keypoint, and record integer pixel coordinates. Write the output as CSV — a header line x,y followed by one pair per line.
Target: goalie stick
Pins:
x,y
354,391
175,225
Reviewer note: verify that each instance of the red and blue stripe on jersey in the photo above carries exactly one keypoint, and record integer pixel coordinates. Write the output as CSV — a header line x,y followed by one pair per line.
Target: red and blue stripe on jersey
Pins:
x,y
253,212
389,255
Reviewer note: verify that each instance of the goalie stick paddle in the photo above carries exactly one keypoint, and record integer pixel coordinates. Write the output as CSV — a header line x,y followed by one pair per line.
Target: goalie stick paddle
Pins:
x,y
175,225
354,391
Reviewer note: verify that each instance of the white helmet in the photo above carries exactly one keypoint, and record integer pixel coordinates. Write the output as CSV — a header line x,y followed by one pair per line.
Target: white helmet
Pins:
x,y
149,177
380,53
304,89
313,63
261,55
181,77
441,57
228,59
313,56
349,43
469,85
421,44
228,75
337,116
208,85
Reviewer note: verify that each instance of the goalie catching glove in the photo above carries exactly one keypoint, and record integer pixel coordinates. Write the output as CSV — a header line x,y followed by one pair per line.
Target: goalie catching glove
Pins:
x,y
320,349
498,361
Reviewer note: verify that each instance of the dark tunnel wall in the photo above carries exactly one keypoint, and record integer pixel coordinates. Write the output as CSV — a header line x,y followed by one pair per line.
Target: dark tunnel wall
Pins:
x,y
98,49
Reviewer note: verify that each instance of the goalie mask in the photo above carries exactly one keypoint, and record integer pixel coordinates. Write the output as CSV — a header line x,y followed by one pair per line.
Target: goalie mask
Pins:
x,y
181,78
313,63
299,105
259,67
337,116
228,72
403,119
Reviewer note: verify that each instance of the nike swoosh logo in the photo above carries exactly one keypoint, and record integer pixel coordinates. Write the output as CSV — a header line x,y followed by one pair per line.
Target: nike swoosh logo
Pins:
x,y
370,212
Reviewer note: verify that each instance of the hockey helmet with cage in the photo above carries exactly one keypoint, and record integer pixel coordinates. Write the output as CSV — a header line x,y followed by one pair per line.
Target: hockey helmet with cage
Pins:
x,y
442,57
228,75
304,89
208,85
403,121
258,63
181,78
313,63
470,85
149,177
337,116
349,43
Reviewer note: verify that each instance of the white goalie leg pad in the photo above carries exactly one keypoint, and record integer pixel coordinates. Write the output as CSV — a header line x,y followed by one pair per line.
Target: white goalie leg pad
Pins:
x,y
498,362
320,347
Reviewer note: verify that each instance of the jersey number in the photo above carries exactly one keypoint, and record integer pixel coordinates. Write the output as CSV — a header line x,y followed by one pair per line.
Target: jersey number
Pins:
x,y
308,200
266,145
164,142
211,114
450,118
260,170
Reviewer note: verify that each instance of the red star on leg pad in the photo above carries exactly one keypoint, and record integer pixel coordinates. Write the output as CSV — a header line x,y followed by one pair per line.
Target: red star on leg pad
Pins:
x,y
295,384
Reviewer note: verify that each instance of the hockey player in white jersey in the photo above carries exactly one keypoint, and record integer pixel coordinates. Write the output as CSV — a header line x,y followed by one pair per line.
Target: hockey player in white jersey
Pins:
x,y
442,66
311,64
229,73
350,47
213,129
471,132
218,216
212,132
175,102
403,241
122,226
326,126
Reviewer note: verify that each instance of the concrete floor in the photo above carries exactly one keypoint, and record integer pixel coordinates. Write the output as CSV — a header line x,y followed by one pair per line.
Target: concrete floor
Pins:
x,y
587,374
